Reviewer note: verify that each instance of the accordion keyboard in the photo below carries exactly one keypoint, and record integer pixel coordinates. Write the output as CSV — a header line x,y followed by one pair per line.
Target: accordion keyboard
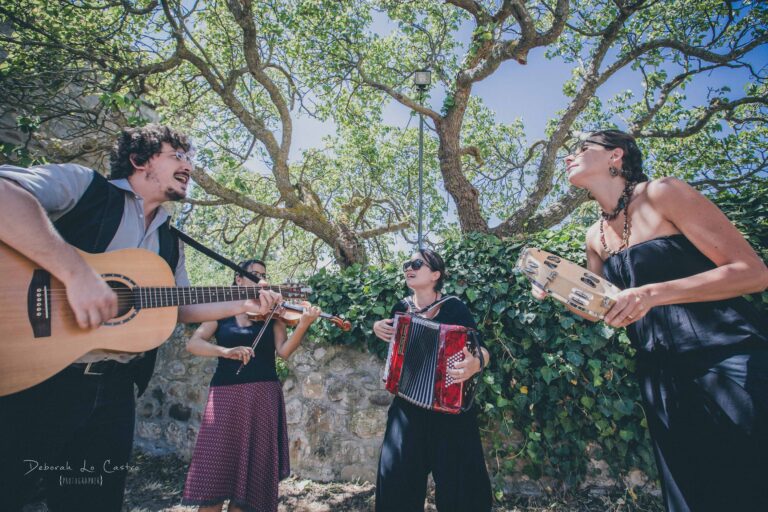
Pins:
x,y
417,381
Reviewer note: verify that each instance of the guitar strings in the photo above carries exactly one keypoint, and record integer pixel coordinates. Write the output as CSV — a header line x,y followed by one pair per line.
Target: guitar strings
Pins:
x,y
151,297
188,291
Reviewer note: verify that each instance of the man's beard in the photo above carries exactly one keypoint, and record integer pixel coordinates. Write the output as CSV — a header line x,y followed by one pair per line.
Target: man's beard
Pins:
x,y
174,195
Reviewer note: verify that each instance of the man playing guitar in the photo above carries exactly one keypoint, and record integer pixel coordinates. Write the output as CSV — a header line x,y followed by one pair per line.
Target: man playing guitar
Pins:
x,y
75,429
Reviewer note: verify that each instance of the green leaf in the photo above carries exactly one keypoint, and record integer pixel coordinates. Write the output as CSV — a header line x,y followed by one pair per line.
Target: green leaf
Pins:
x,y
548,374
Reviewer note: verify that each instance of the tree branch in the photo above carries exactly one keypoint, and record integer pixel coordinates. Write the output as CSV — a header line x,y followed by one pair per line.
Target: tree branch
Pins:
x,y
515,222
548,217
212,187
473,151
517,49
381,230
401,98
715,106
243,16
473,8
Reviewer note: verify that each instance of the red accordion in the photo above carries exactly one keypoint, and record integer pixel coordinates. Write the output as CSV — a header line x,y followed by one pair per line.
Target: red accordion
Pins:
x,y
420,354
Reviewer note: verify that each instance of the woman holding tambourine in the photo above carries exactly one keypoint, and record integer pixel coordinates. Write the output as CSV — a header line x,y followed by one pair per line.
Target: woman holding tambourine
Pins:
x,y
702,348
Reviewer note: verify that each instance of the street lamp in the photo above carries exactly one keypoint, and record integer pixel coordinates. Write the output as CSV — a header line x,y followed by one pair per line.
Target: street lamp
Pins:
x,y
422,78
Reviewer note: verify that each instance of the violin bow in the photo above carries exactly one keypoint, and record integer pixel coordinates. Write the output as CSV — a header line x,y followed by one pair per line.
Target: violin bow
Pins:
x,y
258,336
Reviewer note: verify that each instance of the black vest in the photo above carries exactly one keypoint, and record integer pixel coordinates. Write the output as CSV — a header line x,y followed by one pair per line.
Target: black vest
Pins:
x,y
92,224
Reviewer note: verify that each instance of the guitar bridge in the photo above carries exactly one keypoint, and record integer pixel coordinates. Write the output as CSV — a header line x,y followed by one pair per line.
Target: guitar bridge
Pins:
x,y
39,303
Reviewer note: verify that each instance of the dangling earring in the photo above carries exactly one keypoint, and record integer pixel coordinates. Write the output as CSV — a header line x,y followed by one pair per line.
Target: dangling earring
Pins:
x,y
613,171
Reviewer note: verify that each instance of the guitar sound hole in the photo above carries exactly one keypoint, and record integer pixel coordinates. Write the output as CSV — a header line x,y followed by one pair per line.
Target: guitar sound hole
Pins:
x,y
124,297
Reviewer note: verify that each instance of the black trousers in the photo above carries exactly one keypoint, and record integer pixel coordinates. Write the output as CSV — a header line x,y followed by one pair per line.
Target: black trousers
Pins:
x,y
708,419
417,442
73,435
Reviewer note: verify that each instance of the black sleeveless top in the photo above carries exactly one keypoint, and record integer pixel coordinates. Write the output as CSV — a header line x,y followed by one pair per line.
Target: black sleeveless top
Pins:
x,y
680,328
262,365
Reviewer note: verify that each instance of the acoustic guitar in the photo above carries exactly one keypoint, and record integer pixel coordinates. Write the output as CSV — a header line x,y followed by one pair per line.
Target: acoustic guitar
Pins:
x,y
40,336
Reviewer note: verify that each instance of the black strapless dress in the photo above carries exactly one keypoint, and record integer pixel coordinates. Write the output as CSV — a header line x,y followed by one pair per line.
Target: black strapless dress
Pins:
x,y
703,376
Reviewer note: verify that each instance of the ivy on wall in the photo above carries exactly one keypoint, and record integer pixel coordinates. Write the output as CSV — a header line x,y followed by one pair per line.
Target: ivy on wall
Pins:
x,y
559,387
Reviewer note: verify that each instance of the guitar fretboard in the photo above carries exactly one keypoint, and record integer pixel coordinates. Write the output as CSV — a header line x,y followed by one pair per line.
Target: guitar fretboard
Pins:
x,y
164,296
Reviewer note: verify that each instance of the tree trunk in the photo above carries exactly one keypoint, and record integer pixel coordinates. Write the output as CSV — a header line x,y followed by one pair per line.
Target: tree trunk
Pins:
x,y
464,194
348,247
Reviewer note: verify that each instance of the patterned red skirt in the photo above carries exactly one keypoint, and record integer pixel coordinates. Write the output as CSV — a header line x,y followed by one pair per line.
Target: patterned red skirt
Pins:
x,y
241,452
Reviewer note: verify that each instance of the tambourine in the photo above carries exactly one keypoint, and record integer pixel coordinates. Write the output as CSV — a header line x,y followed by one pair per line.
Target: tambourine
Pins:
x,y
586,294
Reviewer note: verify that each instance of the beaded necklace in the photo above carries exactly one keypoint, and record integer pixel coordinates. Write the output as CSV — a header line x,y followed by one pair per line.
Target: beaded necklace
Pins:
x,y
621,206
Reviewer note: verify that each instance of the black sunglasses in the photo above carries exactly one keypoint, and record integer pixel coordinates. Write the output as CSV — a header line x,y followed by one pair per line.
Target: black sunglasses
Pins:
x,y
415,264
261,276
581,147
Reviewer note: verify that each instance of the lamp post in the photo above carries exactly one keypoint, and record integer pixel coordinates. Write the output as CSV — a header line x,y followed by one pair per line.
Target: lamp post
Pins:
x,y
421,79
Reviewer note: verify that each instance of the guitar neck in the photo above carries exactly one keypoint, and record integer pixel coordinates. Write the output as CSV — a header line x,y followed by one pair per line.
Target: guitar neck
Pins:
x,y
164,296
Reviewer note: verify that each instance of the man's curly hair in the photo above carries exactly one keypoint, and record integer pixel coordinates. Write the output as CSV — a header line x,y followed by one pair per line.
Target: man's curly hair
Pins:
x,y
142,143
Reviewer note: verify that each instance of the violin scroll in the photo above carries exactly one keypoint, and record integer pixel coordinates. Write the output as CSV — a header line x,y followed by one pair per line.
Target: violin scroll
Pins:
x,y
344,325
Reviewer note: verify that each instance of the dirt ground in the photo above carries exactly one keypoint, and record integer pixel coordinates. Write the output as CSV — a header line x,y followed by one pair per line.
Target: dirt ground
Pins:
x,y
157,483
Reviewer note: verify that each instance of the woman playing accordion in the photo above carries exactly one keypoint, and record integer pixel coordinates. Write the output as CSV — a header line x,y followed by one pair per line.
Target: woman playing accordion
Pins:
x,y
419,440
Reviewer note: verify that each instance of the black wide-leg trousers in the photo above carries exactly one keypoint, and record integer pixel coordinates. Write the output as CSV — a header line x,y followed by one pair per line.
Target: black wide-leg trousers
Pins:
x,y
417,442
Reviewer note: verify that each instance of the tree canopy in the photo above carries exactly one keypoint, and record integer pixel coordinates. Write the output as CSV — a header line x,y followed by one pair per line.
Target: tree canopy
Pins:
x,y
238,74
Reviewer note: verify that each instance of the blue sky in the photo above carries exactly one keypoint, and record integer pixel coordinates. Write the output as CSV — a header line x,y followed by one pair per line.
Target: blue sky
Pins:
x,y
532,92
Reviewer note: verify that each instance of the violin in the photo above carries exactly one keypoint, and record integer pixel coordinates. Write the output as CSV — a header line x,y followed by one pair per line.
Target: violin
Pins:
x,y
290,314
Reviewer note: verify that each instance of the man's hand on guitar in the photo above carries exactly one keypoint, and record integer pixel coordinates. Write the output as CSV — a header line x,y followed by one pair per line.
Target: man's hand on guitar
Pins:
x,y
91,298
264,304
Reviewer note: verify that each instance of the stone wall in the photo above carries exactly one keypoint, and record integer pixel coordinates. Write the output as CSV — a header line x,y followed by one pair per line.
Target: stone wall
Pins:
x,y
168,414
336,408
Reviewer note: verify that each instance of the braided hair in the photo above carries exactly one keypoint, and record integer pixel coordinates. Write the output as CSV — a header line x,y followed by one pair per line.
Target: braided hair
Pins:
x,y
631,161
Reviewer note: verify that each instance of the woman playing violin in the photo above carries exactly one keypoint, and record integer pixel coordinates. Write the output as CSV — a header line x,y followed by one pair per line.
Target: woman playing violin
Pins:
x,y
420,441
241,452
702,350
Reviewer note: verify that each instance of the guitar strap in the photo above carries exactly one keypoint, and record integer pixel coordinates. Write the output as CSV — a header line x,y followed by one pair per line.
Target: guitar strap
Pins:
x,y
213,254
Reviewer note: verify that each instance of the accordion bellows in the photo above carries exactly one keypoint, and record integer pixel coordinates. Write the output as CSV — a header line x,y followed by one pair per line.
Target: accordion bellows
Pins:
x,y
420,354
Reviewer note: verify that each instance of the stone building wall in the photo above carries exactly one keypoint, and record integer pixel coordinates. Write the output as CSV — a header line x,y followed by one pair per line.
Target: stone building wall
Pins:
x,y
336,407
